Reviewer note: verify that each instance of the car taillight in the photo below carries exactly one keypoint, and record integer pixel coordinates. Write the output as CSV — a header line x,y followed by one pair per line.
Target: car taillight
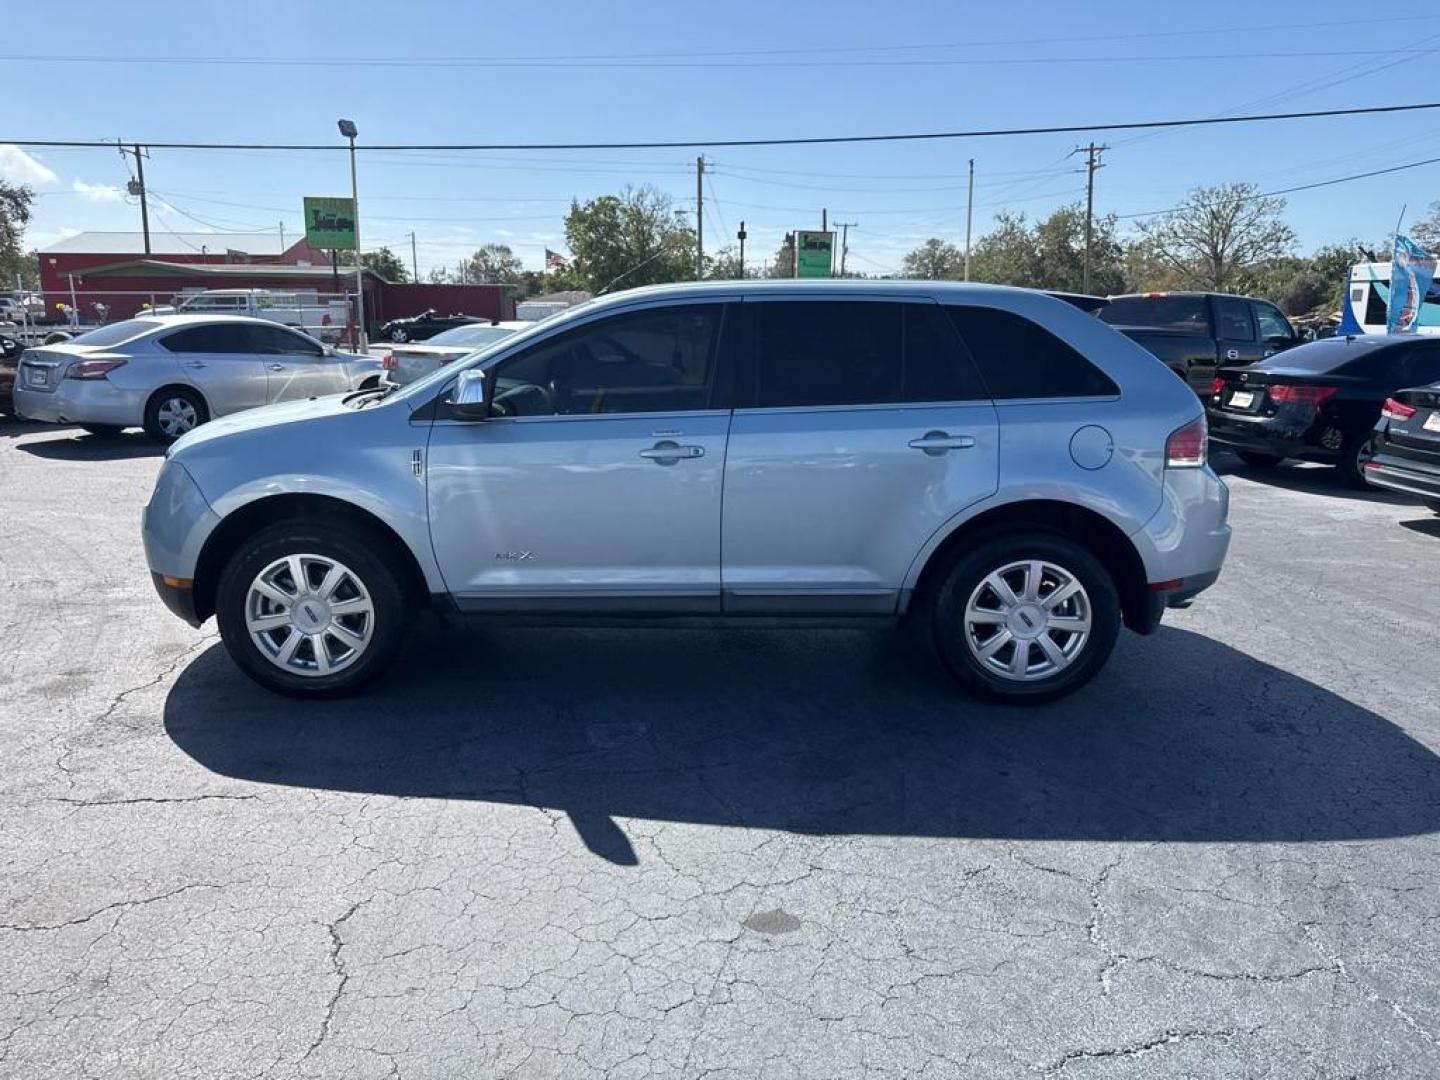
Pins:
x,y
93,369
1302,395
1397,410
387,361
1187,446
1217,385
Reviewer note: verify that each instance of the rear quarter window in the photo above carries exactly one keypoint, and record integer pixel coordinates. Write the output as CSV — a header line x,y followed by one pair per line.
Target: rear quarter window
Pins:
x,y
1185,313
1019,358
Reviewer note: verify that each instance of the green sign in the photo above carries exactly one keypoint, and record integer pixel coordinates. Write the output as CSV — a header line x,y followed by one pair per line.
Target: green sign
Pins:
x,y
329,223
814,254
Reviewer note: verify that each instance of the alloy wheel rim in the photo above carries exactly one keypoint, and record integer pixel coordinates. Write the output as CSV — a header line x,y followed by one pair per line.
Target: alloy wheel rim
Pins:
x,y
1027,620
309,615
177,416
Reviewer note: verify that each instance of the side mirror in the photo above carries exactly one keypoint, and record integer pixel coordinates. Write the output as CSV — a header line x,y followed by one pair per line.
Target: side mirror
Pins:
x,y
471,398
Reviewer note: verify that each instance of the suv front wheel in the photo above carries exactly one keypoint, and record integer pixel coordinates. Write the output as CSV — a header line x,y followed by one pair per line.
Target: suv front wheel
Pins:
x,y
309,610
1026,617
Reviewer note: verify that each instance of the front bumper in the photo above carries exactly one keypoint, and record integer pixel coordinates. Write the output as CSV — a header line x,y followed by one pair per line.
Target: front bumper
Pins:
x,y
180,599
176,524
81,401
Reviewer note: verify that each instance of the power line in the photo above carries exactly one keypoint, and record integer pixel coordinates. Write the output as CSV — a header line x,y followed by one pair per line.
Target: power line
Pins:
x,y
1298,187
568,63
812,140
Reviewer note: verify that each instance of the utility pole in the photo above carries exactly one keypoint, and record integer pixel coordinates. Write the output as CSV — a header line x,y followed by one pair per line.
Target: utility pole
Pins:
x,y
823,226
969,217
700,218
741,235
414,262
282,238
137,187
1092,162
845,227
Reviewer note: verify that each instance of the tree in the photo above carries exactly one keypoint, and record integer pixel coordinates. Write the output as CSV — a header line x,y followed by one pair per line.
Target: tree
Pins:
x,y
783,265
1006,255
1059,253
1219,234
492,264
724,265
1426,231
15,200
381,261
934,260
633,238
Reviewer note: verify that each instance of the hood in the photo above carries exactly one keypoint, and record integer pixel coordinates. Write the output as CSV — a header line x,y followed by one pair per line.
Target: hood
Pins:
x,y
262,419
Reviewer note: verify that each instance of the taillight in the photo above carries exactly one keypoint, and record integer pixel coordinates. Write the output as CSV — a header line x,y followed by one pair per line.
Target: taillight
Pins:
x,y
93,369
1187,446
1397,410
1217,385
1302,395
387,361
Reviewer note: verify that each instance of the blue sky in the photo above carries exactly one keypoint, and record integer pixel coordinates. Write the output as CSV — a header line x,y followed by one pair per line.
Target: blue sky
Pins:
x,y
647,70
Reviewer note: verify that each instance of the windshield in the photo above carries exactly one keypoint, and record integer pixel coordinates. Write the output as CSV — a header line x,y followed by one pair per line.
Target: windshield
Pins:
x,y
440,376
1167,312
471,335
115,333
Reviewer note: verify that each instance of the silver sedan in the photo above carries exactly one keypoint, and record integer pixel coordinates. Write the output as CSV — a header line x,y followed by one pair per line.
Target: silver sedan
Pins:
x,y
171,373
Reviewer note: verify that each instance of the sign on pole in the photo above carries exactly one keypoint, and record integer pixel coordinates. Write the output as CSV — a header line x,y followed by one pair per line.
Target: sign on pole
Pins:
x,y
814,254
330,222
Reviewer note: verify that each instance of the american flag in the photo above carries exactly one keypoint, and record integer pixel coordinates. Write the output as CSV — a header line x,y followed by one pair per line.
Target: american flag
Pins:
x,y
555,261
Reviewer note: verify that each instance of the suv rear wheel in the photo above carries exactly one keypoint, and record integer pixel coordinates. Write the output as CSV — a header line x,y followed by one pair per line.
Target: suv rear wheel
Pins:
x,y
1026,617
309,610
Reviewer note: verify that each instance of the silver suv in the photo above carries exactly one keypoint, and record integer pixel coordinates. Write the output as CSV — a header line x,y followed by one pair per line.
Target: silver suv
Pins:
x,y
992,460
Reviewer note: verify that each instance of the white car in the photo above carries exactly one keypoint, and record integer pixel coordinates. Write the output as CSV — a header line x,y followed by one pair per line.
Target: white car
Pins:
x,y
171,373
406,363
301,309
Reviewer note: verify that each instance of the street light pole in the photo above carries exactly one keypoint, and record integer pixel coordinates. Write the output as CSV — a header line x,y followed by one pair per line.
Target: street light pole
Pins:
x,y
348,129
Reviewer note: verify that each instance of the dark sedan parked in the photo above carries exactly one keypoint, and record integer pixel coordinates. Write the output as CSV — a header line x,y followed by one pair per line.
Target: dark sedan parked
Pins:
x,y
10,351
1405,453
1319,401
424,326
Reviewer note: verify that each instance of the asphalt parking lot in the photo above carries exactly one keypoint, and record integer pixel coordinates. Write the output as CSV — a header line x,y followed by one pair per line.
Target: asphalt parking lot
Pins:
x,y
685,853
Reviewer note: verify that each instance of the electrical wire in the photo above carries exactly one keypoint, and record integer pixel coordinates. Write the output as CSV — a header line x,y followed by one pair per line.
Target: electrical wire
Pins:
x,y
808,140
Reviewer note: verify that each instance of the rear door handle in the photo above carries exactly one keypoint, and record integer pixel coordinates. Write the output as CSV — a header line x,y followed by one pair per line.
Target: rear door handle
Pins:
x,y
667,452
1232,354
277,367
196,364
936,443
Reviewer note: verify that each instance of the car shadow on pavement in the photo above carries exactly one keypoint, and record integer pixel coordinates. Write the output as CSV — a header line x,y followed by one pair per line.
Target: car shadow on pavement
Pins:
x,y
1426,526
82,446
829,733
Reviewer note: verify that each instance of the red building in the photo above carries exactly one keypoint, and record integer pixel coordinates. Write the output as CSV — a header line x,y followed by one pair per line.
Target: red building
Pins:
x,y
98,268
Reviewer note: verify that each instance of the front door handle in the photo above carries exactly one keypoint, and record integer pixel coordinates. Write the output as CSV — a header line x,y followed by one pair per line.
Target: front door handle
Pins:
x,y
197,364
277,367
936,443
667,452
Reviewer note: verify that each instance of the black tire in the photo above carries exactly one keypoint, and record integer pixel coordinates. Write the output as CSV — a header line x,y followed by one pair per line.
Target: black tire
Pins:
x,y
1256,460
360,553
103,431
1354,452
399,335
964,577
153,425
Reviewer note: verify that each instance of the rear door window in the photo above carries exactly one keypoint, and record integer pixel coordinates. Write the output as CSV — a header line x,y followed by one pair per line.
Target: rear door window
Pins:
x,y
212,338
274,341
857,352
1019,358
1232,319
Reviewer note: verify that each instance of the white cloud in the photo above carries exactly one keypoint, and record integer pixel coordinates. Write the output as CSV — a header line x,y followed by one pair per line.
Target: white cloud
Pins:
x,y
98,192
17,165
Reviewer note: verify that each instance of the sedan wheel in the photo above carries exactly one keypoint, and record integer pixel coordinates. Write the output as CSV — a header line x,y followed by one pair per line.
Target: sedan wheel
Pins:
x,y
309,615
177,416
399,335
1027,620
